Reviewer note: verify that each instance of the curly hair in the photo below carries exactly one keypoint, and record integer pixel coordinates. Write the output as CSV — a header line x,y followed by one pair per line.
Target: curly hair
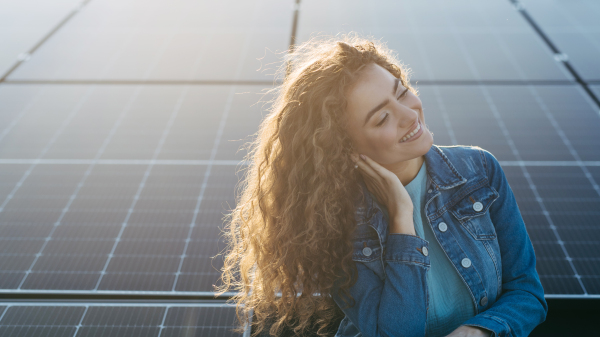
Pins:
x,y
290,235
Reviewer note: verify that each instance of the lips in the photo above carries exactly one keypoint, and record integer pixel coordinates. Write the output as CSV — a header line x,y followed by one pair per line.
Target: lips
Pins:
x,y
415,132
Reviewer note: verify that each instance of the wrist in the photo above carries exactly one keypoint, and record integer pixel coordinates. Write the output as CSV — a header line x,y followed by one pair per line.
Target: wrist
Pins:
x,y
477,331
402,224
401,212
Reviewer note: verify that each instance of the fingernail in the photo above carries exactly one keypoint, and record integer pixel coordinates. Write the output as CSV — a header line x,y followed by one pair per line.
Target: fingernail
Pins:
x,y
363,157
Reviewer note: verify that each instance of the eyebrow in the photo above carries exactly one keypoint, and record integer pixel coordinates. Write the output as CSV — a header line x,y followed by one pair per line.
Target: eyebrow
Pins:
x,y
382,104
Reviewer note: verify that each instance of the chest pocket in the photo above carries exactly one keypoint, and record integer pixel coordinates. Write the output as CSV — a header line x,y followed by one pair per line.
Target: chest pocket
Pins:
x,y
472,212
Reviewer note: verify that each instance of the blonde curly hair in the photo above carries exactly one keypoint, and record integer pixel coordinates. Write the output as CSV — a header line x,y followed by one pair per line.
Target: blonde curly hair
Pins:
x,y
289,237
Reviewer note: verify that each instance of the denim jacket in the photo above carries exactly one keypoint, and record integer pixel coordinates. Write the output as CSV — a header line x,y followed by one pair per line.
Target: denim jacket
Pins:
x,y
476,220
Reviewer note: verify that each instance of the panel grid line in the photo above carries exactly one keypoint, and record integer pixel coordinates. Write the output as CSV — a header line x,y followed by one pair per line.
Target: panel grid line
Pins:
x,y
4,313
79,325
55,136
216,304
184,162
162,323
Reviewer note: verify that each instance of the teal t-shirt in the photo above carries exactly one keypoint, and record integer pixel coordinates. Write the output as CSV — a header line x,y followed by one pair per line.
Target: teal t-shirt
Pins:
x,y
450,302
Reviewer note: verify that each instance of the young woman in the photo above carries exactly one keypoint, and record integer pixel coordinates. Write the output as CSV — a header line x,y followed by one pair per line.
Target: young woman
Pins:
x,y
347,204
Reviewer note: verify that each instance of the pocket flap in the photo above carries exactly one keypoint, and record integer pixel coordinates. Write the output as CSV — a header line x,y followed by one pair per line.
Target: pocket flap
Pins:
x,y
475,203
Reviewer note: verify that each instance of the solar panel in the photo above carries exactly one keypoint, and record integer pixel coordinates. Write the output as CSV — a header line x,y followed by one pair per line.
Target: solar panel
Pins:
x,y
121,223
89,319
155,40
106,224
120,139
25,23
573,28
438,40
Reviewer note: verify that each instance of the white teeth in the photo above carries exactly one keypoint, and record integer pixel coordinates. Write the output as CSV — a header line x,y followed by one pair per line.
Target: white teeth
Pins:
x,y
405,138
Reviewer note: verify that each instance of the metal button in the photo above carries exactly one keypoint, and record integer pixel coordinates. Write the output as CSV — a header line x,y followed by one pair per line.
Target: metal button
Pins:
x,y
367,251
443,227
483,301
477,206
425,251
429,190
466,262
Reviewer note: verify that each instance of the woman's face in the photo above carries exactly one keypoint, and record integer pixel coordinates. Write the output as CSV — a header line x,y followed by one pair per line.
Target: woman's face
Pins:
x,y
381,122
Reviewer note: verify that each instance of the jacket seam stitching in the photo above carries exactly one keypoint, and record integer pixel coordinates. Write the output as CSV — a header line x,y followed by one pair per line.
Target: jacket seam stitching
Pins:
x,y
485,164
447,160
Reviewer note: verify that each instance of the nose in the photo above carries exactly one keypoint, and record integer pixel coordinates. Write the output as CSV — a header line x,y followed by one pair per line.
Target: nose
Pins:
x,y
406,116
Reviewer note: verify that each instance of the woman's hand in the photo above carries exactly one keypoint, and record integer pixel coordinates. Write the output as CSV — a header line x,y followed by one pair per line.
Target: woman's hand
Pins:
x,y
469,331
389,191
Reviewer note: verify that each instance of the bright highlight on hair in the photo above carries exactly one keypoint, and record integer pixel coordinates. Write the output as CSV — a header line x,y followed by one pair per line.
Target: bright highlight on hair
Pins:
x,y
289,237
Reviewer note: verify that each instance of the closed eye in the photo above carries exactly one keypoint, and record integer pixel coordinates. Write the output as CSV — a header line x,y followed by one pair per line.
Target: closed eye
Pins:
x,y
386,115
383,120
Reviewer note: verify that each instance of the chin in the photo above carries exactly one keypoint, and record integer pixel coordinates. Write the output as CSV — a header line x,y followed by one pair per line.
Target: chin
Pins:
x,y
421,146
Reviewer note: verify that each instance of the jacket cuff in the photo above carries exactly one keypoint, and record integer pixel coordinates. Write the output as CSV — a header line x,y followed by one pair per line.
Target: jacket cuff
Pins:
x,y
406,248
496,325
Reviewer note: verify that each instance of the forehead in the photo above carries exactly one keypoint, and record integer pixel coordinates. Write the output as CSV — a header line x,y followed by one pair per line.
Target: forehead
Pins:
x,y
372,86
371,75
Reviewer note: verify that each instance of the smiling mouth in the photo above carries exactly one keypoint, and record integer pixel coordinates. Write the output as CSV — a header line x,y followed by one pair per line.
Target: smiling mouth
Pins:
x,y
414,133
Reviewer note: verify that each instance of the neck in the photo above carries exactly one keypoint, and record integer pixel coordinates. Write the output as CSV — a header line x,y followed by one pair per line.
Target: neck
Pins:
x,y
407,170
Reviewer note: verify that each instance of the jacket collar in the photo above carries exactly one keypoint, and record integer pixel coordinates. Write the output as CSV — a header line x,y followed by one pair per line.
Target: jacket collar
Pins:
x,y
441,171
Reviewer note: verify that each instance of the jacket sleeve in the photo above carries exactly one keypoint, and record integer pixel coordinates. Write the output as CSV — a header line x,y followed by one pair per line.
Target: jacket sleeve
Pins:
x,y
396,305
521,306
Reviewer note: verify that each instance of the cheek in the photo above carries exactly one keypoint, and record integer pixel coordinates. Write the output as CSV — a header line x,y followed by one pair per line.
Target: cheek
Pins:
x,y
384,139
